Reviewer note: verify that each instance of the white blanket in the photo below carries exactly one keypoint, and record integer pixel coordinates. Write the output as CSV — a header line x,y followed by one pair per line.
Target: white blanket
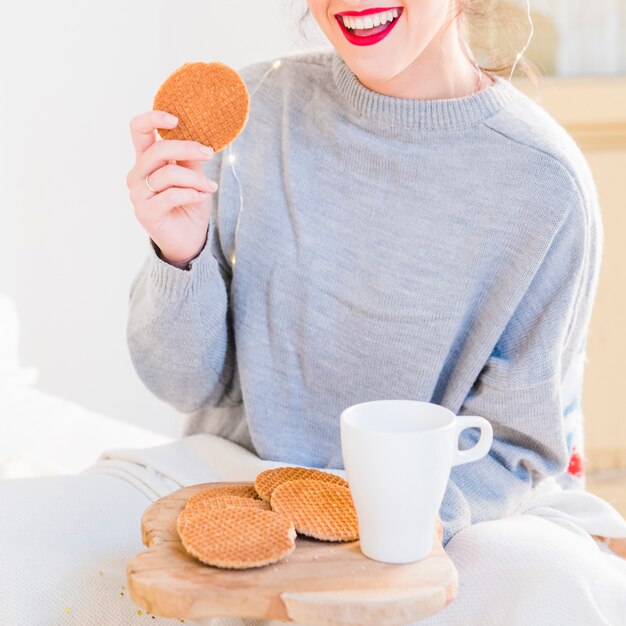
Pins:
x,y
66,541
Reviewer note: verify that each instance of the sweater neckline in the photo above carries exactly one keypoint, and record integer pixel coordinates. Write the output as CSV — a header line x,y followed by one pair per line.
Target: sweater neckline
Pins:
x,y
417,113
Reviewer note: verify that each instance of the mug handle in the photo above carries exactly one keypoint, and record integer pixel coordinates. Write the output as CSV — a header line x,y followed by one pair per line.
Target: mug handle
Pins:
x,y
480,448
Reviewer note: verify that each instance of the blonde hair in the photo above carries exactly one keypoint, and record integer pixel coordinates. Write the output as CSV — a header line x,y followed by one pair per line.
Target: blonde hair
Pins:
x,y
496,31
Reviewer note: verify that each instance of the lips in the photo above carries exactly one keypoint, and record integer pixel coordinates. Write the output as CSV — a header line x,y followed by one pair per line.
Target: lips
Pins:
x,y
368,11
367,40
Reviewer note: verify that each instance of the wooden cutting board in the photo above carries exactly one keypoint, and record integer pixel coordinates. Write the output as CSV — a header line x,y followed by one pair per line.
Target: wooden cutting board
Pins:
x,y
319,584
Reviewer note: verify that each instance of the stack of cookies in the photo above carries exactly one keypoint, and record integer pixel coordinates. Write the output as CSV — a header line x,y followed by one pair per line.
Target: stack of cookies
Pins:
x,y
242,526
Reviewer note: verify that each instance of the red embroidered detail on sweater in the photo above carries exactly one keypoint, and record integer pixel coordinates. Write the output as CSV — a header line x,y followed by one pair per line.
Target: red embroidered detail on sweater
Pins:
x,y
575,463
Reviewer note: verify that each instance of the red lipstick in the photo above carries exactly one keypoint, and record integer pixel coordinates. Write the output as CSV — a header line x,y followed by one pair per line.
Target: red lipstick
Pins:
x,y
380,31
368,11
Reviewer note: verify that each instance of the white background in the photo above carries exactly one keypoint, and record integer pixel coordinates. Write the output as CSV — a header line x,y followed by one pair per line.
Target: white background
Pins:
x,y
73,74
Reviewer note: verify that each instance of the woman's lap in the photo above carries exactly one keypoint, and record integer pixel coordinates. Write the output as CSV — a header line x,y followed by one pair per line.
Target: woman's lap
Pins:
x,y
66,540
527,569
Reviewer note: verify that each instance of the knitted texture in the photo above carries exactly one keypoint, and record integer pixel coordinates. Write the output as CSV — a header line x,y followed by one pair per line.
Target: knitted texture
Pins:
x,y
439,250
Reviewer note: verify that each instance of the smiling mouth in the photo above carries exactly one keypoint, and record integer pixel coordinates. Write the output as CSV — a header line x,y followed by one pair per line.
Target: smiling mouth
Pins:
x,y
360,29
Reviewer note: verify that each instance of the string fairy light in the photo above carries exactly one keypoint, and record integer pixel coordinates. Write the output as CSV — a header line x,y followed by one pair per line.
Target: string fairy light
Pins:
x,y
231,161
231,158
520,54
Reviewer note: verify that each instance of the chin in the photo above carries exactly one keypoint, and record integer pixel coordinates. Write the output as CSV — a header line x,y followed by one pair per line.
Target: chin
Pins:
x,y
372,70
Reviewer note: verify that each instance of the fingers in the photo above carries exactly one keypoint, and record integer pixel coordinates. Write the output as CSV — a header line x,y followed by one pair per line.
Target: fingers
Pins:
x,y
616,545
142,129
159,153
171,175
175,184
162,203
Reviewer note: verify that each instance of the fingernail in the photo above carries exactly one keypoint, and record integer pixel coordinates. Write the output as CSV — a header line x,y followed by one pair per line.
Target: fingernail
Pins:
x,y
213,185
171,119
206,150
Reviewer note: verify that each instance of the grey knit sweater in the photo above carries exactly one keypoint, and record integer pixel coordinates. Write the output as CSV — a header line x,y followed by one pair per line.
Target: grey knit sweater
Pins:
x,y
441,250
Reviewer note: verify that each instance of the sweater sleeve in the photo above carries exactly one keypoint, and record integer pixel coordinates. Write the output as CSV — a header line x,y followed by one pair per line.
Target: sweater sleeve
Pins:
x,y
179,331
533,373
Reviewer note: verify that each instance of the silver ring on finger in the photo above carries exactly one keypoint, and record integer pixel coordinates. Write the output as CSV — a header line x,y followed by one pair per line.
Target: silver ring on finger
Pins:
x,y
149,186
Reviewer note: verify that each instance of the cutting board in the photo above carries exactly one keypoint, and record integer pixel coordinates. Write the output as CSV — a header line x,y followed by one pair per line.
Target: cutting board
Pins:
x,y
319,584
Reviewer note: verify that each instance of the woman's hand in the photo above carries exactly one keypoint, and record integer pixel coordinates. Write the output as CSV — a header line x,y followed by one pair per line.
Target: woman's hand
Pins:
x,y
616,545
439,529
177,216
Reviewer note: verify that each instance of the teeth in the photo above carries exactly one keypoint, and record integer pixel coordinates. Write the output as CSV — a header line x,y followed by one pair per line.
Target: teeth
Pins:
x,y
369,21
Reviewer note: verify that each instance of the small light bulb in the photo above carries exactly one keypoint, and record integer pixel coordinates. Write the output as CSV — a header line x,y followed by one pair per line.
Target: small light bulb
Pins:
x,y
231,157
276,63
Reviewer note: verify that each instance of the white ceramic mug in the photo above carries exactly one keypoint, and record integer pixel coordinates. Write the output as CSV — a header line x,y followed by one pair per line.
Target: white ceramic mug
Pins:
x,y
398,455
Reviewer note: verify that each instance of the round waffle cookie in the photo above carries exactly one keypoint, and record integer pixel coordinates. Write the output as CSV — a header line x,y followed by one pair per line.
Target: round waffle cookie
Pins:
x,y
243,491
218,502
210,100
237,537
318,509
268,480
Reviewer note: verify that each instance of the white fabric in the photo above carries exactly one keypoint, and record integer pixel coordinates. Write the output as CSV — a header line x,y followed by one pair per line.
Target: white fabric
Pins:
x,y
66,541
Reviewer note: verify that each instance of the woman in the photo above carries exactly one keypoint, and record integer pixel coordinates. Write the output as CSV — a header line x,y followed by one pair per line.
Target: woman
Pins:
x,y
400,224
